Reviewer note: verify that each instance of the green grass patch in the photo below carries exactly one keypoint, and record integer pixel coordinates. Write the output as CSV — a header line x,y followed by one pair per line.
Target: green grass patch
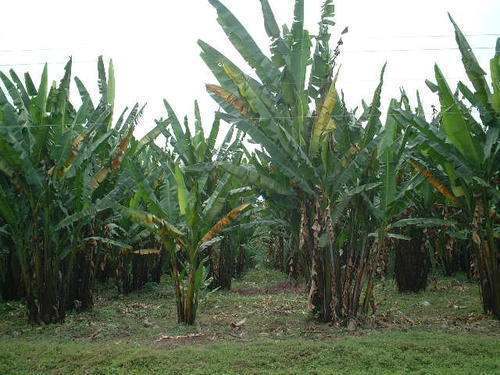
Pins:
x,y
377,353
262,326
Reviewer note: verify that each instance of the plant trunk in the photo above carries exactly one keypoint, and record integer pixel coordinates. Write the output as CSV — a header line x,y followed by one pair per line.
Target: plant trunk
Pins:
x,y
382,260
276,252
123,272
185,294
487,258
44,274
447,249
134,271
298,260
105,267
320,292
225,267
189,302
82,280
220,266
145,269
338,275
412,263
12,286
241,261
45,292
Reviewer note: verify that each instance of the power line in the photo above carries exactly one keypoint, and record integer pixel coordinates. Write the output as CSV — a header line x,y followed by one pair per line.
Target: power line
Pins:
x,y
402,36
344,51
343,116
428,36
414,50
341,80
364,50
21,50
49,63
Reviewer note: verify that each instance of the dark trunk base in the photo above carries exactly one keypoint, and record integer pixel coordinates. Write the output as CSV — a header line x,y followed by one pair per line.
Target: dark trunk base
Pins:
x,y
105,268
489,278
135,271
45,313
222,265
241,262
82,284
145,269
412,264
453,256
45,296
11,288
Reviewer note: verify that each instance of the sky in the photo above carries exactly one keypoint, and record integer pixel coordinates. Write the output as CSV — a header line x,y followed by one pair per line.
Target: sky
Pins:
x,y
155,54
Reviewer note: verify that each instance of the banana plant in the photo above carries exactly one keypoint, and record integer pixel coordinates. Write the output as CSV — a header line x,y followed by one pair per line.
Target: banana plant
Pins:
x,y
281,210
297,119
52,187
131,254
227,257
460,156
186,213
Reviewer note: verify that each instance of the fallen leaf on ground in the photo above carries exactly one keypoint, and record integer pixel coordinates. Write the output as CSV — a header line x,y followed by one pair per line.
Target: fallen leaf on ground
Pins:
x,y
190,336
238,324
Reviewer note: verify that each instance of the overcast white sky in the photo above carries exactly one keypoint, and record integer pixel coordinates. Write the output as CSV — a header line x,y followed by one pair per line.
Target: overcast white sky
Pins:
x,y
153,43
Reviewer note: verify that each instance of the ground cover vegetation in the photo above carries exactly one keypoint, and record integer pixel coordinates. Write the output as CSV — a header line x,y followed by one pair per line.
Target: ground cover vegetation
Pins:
x,y
294,221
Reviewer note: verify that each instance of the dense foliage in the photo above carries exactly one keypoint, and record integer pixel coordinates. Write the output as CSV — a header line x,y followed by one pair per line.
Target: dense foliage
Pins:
x,y
336,197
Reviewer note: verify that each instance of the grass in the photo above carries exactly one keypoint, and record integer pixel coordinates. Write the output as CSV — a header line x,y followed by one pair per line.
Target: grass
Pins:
x,y
415,352
262,326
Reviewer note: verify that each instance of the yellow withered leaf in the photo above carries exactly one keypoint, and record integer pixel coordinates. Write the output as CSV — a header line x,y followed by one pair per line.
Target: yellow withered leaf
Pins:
x,y
229,98
147,252
99,177
120,153
434,181
324,116
75,148
224,222
115,163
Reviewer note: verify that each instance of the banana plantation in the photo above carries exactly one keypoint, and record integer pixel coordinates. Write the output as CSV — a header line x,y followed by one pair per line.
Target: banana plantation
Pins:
x,y
343,214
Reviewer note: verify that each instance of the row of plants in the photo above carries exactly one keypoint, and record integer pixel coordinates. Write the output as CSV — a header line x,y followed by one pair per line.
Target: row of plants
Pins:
x,y
340,195
82,199
350,188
